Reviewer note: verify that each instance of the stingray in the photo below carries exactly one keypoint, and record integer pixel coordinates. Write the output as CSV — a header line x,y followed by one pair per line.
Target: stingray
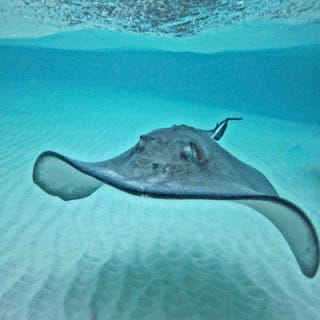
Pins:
x,y
182,162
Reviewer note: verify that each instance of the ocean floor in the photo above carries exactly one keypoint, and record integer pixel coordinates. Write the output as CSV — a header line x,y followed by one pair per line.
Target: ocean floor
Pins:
x,y
117,256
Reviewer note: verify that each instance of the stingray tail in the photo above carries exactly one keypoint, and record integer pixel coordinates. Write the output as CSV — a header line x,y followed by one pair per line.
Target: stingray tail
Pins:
x,y
218,131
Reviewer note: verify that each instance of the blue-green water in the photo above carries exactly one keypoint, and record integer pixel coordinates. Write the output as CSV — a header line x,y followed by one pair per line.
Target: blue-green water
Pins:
x,y
281,83
117,256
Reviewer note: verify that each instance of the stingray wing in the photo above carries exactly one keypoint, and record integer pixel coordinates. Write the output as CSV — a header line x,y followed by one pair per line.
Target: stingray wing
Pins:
x,y
71,179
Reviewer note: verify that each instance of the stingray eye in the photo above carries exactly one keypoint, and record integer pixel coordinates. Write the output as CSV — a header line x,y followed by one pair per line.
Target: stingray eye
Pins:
x,y
196,151
144,139
140,146
191,152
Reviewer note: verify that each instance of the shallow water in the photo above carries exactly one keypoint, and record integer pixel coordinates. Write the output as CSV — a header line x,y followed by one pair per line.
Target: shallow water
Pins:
x,y
117,256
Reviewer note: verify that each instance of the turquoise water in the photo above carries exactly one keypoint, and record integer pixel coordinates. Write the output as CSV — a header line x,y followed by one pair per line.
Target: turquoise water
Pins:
x,y
281,83
117,256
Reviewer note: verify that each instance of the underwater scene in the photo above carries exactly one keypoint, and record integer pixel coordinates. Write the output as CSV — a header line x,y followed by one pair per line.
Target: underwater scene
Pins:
x,y
159,159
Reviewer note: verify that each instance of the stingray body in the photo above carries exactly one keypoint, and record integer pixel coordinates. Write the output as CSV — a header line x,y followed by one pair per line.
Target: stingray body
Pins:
x,y
183,162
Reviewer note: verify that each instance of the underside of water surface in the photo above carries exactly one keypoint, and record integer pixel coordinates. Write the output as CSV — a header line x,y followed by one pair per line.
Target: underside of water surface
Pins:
x,y
173,18
86,79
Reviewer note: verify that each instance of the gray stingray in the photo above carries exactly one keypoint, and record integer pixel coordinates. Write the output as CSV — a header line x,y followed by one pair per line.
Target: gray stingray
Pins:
x,y
183,162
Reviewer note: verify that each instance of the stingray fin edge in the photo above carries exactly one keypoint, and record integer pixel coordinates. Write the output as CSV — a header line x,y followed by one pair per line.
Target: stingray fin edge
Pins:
x,y
295,226
56,175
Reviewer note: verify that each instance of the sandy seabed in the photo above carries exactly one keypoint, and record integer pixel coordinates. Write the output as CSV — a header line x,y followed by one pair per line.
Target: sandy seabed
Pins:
x,y
117,256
